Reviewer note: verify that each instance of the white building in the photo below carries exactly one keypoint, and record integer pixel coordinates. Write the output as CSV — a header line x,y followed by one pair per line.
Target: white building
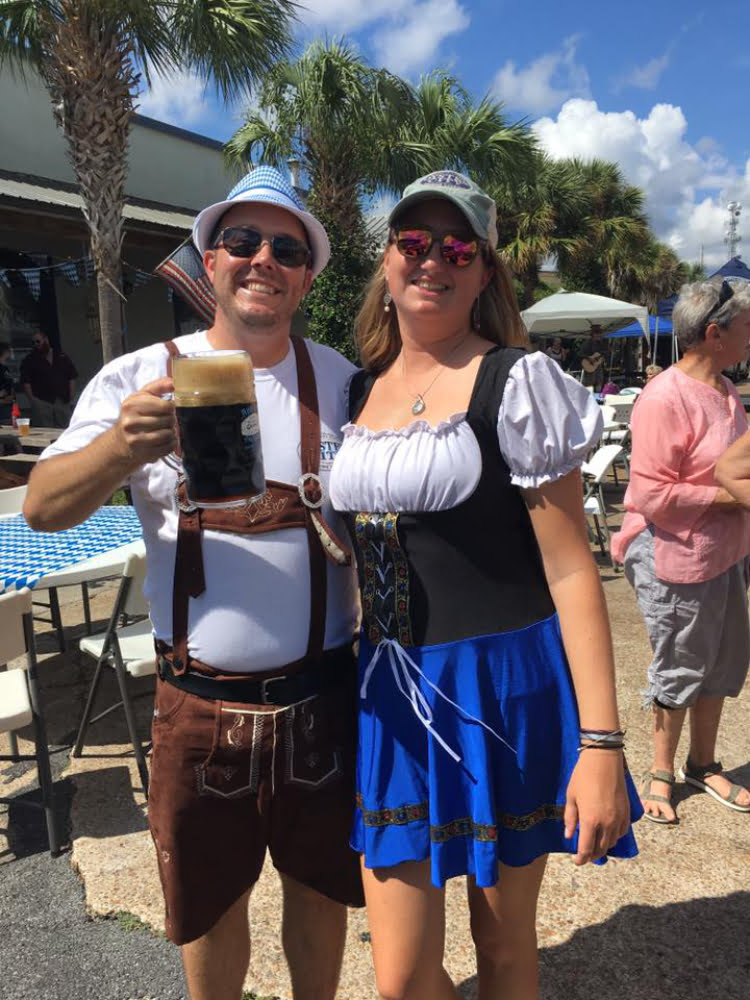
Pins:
x,y
171,175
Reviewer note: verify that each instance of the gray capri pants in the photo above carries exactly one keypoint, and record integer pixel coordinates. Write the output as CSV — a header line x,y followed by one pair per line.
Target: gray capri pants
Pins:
x,y
699,632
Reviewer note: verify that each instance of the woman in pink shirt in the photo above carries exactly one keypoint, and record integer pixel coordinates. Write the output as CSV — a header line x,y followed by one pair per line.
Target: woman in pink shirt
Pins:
x,y
685,542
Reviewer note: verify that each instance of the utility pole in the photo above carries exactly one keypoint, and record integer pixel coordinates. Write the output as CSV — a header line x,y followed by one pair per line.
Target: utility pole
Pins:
x,y
732,237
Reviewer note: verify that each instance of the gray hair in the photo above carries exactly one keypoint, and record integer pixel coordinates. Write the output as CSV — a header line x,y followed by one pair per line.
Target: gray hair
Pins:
x,y
696,302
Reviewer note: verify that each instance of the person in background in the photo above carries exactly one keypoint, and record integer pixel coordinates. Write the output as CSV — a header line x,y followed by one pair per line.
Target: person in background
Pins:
x,y
7,387
484,742
48,379
685,541
557,352
592,360
652,371
9,443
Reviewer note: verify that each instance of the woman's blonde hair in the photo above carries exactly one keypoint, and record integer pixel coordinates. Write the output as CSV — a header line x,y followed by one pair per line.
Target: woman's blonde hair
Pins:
x,y
379,339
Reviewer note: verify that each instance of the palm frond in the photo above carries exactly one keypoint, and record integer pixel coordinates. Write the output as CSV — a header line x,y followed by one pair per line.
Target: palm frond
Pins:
x,y
257,140
231,42
23,31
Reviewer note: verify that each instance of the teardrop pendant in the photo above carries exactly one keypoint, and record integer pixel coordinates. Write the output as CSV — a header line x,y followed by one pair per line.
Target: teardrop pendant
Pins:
x,y
419,407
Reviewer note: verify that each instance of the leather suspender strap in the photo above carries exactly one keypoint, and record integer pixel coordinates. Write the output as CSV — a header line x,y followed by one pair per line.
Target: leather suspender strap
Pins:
x,y
174,352
188,579
312,494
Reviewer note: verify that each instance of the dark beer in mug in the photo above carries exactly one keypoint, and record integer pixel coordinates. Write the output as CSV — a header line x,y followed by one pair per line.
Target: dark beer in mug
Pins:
x,y
217,415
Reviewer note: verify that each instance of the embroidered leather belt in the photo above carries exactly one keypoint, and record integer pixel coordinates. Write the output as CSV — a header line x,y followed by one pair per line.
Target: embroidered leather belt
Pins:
x,y
281,690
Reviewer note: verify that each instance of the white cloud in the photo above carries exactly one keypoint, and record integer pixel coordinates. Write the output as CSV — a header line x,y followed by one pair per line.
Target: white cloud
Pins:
x,y
645,77
178,99
409,41
546,82
404,39
343,16
686,186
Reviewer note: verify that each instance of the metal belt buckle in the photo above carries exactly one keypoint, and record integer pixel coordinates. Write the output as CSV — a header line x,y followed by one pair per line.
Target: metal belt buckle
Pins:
x,y
184,505
301,483
266,696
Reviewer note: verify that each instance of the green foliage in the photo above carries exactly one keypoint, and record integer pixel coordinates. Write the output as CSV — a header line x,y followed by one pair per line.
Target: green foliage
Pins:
x,y
119,499
130,922
336,295
230,43
357,129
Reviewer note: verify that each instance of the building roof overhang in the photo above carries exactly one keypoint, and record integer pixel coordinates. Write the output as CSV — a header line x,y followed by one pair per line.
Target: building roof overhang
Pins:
x,y
40,195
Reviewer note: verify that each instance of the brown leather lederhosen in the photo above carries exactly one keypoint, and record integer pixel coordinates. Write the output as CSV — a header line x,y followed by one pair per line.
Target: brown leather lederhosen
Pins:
x,y
284,505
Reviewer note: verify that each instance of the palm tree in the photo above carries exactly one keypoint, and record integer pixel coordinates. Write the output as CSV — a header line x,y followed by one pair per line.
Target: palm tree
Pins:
x,y
655,274
358,130
91,55
614,230
540,216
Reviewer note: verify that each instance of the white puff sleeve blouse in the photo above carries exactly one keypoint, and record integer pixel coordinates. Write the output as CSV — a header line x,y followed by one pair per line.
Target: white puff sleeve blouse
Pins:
x,y
547,424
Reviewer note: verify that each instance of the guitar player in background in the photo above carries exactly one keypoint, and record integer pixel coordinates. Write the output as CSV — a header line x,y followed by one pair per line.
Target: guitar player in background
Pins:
x,y
592,360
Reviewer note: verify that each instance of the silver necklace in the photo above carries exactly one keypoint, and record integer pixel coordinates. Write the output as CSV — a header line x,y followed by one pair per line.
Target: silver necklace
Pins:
x,y
419,405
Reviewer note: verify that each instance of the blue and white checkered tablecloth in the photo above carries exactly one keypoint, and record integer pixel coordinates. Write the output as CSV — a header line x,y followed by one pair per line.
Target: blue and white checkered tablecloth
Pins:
x,y
26,556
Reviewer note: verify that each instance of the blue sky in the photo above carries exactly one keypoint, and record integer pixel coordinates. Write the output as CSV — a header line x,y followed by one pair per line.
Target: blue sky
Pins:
x,y
661,88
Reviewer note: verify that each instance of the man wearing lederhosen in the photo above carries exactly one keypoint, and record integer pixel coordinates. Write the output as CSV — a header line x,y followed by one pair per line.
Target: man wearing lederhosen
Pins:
x,y
253,609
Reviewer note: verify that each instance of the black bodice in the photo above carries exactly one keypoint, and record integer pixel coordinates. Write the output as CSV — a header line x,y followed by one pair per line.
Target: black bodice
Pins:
x,y
474,569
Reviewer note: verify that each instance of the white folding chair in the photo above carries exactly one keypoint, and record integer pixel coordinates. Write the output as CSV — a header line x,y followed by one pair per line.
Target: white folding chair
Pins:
x,y
623,407
11,500
127,646
594,474
20,703
631,390
616,433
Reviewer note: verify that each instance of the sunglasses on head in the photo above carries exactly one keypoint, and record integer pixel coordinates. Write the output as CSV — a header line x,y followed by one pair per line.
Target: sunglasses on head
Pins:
x,y
725,294
417,243
244,241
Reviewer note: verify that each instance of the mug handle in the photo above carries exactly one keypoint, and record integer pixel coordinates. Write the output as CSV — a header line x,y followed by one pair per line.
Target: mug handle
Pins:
x,y
174,459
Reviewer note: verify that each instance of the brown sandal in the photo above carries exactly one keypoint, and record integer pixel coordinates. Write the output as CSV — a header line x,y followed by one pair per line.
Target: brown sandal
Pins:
x,y
650,776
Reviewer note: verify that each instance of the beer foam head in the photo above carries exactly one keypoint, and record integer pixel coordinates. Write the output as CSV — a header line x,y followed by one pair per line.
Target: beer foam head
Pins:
x,y
213,378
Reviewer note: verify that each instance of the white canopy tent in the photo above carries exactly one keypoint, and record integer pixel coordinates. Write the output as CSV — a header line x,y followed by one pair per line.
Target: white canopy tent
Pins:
x,y
572,314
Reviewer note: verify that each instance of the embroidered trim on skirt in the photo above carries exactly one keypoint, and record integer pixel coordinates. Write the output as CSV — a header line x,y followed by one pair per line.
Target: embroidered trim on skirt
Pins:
x,y
465,753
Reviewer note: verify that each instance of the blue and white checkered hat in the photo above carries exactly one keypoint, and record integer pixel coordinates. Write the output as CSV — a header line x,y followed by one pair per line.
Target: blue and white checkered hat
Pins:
x,y
268,186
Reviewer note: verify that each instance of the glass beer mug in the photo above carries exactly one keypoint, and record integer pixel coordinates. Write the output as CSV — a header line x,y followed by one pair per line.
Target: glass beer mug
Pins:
x,y
219,431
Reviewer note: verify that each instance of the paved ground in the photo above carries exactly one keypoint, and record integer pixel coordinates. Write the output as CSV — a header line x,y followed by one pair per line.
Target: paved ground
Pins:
x,y
672,923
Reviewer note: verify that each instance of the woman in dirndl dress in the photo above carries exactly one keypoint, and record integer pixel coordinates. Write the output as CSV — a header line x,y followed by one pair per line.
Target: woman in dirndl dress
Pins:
x,y
489,733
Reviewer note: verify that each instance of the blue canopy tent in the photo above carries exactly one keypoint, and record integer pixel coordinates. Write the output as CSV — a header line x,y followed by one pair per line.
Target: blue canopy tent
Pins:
x,y
663,329
734,268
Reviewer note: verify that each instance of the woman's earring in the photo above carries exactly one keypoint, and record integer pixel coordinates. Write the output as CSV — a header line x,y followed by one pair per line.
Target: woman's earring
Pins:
x,y
387,299
476,319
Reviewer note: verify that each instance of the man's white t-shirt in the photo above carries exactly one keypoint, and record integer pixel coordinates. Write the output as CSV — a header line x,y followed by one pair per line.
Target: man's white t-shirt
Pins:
x,y
254,613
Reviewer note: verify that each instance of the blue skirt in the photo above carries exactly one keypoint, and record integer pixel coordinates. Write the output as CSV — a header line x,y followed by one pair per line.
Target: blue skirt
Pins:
x,y
465,754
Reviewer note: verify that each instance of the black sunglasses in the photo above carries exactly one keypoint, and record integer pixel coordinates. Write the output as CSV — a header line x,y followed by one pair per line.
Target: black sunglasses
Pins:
x,y
725,294
244,241
417,243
